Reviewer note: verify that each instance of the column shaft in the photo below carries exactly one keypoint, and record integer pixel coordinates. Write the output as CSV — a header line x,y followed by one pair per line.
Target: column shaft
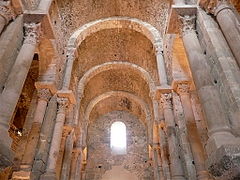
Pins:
x,y
193,136
163,146
65,173
176,167
33,137
68,69
15,82
218,125
229,24
221,145
185,152
56,141
161,68
155,164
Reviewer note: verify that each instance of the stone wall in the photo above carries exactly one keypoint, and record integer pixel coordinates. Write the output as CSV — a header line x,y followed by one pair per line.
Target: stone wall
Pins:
x,y
101,161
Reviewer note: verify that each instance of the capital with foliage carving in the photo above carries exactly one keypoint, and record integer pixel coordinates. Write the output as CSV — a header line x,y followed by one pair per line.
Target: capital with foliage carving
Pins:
x,y
166,100
188,24
6,11
44,94
62,104
32,33
183,88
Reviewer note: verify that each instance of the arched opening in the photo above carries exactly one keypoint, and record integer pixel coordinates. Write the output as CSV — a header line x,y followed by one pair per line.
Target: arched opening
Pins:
x,y
118,139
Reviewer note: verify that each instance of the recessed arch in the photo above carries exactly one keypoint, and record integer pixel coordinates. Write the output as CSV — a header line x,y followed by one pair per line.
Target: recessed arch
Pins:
x,y
109,23
114,65
106,95
115,22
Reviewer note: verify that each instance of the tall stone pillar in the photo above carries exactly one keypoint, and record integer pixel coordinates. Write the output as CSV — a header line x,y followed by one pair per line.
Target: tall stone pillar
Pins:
x,y
65,173
56,140
161,65
155,149
176,167
222,146
33,136
193,136
76,166
163,147
186,152
71,55
14,85
6,14
229,24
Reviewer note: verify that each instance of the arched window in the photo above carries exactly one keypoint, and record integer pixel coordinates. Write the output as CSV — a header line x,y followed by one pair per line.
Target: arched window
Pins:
x,y
118,138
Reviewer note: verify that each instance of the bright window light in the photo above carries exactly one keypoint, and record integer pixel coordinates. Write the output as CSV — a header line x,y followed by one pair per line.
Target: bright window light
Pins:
x,y
118,138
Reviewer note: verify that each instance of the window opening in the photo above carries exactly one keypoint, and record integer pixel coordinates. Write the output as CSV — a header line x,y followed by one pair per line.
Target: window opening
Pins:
x,y
118,138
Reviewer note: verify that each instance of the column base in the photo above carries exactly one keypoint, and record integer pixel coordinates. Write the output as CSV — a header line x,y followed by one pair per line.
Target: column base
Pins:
x,y
48,176
224,164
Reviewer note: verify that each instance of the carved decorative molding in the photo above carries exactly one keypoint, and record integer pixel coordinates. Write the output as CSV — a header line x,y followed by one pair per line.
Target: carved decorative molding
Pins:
x,y
62,104
188,24
6,11
44,94
166,100
32,33
183,88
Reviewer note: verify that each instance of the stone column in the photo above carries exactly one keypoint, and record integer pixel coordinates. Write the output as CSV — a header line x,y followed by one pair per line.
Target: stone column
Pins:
x,y
33,136
56,140
77,159
192,131
68,68
65,173
14,85
186,152
223,65
176,167
221,143
163,146
161,65
28,157
6,14
230,26
155,148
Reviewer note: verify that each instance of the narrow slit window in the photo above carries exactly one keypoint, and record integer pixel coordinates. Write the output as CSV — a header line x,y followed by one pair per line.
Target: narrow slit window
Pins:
x,y
118,138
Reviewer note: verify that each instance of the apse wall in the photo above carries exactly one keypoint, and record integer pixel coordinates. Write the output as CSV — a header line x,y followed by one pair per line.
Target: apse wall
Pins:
x,y
102,162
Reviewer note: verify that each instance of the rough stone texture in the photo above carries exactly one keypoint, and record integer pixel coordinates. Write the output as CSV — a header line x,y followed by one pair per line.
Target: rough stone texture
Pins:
x,y
155,12
100,158
106,56
10,44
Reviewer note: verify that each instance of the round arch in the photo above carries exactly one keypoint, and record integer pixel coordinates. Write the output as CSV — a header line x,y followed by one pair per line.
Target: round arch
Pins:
x,y
106,95
109,23
115,22
110,66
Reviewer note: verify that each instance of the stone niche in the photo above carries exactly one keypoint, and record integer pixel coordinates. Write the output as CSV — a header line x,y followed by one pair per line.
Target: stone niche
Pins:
x,y
103,164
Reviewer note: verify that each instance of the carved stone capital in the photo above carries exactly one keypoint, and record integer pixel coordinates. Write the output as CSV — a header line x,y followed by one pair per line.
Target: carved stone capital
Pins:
x,y
188,24
158,48
44,94
6,11
166,100
62,105
71,53
183,88
32,33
